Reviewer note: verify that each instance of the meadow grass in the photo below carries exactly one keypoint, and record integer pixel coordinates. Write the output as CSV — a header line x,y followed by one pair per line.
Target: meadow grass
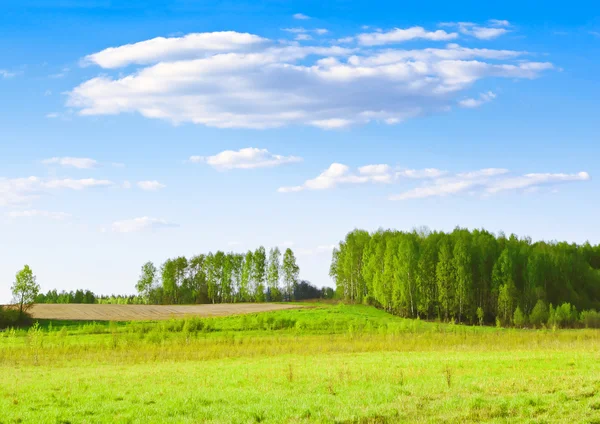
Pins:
x,y
338,364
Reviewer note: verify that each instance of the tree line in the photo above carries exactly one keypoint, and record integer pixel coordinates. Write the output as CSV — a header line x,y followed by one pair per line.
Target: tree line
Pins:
x,y
221,278
467,276
256,276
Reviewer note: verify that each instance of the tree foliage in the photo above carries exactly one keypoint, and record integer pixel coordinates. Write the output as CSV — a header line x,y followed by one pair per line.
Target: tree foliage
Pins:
x,y
470,276
25,289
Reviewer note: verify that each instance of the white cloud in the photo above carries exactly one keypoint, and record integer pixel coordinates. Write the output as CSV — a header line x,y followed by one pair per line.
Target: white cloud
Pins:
x,y
494,29
398,35
303,37
301,16
23,190
338,174
534,180
79,163
140,224
174,48
303,34
75,184
474,103
248,158
264,84
420,173
52,115
38,213
6,74
486,182
499,22
481,173
437,189
150,185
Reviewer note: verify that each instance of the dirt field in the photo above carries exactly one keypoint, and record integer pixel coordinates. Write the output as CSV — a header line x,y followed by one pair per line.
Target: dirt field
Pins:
x,y
147,312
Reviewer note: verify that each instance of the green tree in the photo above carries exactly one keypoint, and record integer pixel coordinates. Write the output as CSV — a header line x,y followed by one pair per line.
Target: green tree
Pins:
x,y
519,318
273,274
259,273
146,280
290,273
539,314
25,289
246,280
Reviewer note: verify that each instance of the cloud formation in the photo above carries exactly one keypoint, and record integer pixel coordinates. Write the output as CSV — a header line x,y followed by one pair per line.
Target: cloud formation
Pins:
x,y
472,103
239,80
248,158
434,182
493,29
487,182
338,174
301,16
79,163
398,35
22,190
150,185
144,223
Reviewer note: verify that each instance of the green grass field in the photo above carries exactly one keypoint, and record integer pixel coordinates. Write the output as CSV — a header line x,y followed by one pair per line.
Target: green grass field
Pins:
x,y
329,363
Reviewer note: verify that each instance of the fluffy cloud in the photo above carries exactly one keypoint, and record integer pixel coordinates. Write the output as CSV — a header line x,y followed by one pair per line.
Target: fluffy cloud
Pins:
x,y
150,185
493,29
22,190
303,34
37,213
140,224
487,182
474,103
301,16
338,174
435,182
528,181
398,35
235,80
248,158
160,48
80,163
420,173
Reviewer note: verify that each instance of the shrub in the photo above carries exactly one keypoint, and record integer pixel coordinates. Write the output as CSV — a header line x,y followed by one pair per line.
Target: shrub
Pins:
x,y
519,318
10,317
590,319
539,314
480,315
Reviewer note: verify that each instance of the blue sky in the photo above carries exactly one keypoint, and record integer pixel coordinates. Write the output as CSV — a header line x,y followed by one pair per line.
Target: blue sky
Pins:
x,y
272,123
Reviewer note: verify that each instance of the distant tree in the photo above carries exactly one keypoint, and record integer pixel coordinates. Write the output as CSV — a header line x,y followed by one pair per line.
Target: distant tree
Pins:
x,y
480,315
290,273
146,280
539,314
259,273
25,289
273,274
246,277
519,318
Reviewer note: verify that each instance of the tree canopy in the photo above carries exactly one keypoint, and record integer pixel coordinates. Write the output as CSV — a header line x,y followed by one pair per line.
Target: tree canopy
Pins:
x,y
455,275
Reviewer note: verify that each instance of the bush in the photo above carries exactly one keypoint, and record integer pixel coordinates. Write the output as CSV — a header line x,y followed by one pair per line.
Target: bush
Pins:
x,y
480,315
10,317
539,314
519,318
590,319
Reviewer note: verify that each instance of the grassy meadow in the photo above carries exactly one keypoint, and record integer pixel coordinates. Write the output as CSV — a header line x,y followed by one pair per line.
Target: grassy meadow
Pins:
x,y
325,363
